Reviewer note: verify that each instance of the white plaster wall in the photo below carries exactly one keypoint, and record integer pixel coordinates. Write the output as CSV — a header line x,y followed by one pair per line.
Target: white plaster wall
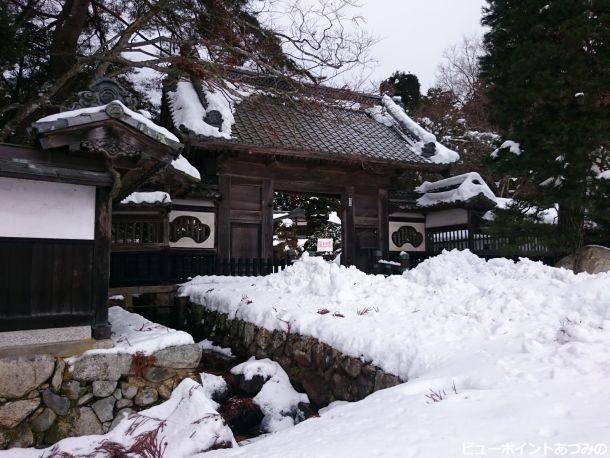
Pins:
x,y
447,217
205,218
420,227
42,209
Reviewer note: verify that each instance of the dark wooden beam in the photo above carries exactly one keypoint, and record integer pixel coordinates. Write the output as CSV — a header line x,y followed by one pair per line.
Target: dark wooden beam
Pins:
x,y
223,225
384,235
348,228
267,220
101,264
308,154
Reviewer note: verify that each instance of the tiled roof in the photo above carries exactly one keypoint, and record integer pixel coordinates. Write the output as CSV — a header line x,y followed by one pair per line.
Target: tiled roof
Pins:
x,y
313,121
272,122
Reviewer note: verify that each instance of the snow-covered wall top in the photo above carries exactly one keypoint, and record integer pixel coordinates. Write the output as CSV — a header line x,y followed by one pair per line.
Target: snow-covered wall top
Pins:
x,y
465,187
442,154
45,210
132,114
154,197
188,110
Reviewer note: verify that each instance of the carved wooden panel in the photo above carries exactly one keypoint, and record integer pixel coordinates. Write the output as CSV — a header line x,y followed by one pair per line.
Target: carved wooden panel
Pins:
x,y
407,236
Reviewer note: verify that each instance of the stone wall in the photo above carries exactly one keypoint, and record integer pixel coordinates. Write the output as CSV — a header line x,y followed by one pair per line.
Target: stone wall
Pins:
x,y
324,373
42,400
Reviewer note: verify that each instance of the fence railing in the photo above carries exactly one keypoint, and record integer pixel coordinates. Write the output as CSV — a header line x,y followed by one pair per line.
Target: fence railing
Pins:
x,y
130,268
461,238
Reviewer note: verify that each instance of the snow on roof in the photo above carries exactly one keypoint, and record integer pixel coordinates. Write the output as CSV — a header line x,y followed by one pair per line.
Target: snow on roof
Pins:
x,y
511,146
188,111
153,197
130,113
442,154
459,188
183,165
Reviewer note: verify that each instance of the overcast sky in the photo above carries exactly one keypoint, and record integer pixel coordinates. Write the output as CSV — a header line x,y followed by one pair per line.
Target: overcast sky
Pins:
x,y
414,33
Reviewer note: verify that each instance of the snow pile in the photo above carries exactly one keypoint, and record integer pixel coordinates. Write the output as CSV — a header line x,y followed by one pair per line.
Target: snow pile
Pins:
x,y
409,324
188,110
213,385
184,425
183,165
132,114
132,333
154,197
605,175
278,400
508,145
464,187
442,155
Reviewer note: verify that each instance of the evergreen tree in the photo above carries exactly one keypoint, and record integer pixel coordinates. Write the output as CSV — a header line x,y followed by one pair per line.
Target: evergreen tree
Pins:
x,y
404,85
547,74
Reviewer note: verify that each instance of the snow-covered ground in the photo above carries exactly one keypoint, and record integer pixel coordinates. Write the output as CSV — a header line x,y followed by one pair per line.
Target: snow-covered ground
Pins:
x,y
526,346
503,359
411,324
132,333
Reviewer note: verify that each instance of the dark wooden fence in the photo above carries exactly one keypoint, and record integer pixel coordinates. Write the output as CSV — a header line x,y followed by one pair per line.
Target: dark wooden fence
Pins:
x,y
462,238
45,283
131,268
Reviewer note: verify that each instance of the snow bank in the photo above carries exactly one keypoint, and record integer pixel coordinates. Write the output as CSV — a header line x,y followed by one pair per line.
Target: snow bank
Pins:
x,y
183,165
278,400
410,324
153,197
188,111
519,354
132,114
466,187
132,333
184,425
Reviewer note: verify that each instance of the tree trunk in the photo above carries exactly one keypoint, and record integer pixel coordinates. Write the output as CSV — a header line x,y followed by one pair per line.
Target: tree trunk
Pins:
x,y
65,38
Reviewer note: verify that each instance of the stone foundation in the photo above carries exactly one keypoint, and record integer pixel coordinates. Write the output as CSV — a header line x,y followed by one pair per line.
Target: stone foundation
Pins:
x,y
43,401
324,373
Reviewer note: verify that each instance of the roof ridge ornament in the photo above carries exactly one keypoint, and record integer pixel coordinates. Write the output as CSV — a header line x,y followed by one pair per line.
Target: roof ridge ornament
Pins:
x,y
102,92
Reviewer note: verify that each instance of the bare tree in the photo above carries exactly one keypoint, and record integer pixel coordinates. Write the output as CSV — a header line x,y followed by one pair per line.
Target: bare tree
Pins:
x,y
459,71
77,41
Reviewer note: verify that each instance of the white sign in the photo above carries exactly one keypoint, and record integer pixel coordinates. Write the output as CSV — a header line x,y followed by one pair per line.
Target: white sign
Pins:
x,y
325,245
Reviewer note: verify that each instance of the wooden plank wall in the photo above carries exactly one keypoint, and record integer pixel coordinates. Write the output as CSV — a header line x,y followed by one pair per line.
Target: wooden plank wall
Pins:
x,y
45,283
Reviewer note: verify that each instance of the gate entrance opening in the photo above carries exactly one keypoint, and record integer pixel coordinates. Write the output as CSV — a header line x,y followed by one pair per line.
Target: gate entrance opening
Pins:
x,y
306,222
